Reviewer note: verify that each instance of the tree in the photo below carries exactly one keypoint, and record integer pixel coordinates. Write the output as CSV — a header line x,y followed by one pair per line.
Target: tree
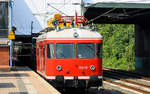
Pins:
x,y
118,45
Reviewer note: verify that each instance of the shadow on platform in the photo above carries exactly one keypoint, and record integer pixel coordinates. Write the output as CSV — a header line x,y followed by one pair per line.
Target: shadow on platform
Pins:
x,y
14,75
18,93
22,68
7,85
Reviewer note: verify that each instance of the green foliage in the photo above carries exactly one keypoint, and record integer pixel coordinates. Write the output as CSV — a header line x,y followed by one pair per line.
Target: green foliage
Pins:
x,y
118,45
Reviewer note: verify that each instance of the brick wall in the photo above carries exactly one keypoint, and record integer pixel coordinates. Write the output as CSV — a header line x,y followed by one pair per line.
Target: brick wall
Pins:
x,y
4,56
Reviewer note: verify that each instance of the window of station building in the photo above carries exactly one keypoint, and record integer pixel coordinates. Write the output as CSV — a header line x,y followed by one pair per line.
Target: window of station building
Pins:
x,y
99,50
4,20
85,50
50,50
65,50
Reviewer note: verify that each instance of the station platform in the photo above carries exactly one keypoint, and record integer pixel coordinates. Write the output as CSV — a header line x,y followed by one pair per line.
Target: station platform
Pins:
x,y
23,80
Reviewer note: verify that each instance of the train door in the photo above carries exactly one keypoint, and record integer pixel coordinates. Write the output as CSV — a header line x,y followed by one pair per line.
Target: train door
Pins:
x,y
37,55
50,55
43,61
40,65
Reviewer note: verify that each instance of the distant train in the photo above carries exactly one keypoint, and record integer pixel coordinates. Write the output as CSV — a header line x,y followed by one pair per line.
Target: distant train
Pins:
x,y
71,56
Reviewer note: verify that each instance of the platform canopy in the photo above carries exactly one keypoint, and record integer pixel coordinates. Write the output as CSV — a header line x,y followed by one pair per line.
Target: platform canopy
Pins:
x,y
116,12
120,5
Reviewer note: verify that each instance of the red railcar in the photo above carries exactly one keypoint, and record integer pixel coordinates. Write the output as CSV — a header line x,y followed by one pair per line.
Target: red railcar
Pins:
x,y
70,57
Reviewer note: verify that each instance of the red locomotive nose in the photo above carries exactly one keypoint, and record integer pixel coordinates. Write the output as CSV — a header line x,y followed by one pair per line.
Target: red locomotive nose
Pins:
x,y
71,55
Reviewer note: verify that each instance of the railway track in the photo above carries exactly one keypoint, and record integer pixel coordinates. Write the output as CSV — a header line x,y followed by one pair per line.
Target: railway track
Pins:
x,y
127,82
118,82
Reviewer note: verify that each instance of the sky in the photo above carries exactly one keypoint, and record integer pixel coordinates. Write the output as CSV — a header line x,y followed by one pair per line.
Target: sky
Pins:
x,y
37,11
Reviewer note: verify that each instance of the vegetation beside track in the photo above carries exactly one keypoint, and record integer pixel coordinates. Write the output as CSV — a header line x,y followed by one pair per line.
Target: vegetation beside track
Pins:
x,y
118,45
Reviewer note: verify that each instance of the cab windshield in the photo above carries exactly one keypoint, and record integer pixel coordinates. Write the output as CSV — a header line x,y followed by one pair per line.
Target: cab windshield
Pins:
x,y
85,50
66,50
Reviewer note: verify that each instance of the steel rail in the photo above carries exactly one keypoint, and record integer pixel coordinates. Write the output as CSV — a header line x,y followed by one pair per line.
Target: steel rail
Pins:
x,y
131,74
115,76
125,86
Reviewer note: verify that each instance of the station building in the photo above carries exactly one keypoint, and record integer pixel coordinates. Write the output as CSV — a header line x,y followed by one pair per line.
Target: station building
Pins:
x,y
5,26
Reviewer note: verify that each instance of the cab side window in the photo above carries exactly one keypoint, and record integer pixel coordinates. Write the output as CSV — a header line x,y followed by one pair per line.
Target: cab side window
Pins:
x,y
50,50
37,51
99,50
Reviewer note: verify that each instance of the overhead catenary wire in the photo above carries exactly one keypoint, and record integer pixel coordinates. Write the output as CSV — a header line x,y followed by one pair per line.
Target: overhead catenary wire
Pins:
x,y
49,4
56,9
68,3
101,15
33,4
59,8
65,3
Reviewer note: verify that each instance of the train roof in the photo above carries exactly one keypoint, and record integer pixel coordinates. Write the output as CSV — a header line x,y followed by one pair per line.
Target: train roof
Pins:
x,y
72,33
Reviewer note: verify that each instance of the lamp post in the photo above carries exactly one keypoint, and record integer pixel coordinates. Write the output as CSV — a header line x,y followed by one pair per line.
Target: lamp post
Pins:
x,y
32,33
32,42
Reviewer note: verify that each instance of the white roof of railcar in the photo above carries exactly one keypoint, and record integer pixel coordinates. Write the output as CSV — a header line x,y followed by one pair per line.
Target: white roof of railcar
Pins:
x,y
69,34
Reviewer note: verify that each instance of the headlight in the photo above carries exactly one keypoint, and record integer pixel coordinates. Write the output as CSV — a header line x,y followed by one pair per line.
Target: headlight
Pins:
x,y
76,35
59,68
92,67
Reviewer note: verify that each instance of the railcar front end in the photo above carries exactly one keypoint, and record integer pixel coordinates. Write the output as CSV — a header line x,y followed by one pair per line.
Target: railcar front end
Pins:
x,y
71,63
70,54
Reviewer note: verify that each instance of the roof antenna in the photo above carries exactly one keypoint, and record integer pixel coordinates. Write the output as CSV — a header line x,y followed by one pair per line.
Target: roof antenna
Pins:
x,y
76,19
76,16
94,28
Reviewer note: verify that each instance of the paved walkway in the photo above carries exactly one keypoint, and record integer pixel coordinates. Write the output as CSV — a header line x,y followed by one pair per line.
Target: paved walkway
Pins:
x,y
22,80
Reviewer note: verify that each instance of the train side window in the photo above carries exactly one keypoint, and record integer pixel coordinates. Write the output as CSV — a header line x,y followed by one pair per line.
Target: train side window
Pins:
x,y
50,50
99,50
